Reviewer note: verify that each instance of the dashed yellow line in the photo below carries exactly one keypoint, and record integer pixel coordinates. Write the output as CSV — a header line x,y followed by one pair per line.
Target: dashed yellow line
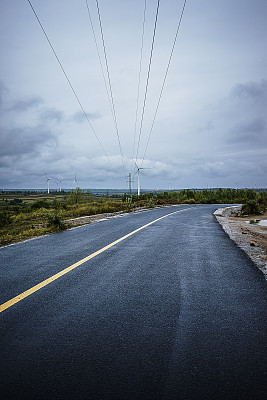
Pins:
x,y
46,282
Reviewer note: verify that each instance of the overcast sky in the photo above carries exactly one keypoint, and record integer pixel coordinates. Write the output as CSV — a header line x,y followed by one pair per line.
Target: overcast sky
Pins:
x,y
210,129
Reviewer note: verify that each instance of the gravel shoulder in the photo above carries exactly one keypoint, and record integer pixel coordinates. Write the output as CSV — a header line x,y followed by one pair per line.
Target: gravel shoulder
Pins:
x,y
246,233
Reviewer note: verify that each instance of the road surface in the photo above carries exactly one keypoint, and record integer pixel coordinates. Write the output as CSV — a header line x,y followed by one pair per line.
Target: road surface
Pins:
x,y
173,311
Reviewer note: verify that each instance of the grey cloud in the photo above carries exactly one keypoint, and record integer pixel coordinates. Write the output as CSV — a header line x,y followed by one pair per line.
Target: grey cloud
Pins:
x,y
80,117
3,90
51,115
26,103
252,132
202,166
21,141
252,90
214,169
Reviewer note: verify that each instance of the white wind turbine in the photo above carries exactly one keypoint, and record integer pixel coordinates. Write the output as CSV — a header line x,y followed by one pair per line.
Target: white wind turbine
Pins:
x,y
58,182
138,177
75,182
48,181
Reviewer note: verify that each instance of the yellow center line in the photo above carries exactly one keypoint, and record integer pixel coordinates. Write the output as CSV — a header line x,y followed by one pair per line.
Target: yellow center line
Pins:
x,y
40,285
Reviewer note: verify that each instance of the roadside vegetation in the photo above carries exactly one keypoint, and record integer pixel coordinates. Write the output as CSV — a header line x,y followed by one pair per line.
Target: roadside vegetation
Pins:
x,y
27,214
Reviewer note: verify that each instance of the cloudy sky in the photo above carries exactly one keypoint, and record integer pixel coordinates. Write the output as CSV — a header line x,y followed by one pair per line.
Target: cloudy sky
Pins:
x,y
210,129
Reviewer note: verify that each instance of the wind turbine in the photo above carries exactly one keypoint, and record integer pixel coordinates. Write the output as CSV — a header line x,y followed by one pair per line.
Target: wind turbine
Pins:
x,y
138,177
58,181
47,180
75,182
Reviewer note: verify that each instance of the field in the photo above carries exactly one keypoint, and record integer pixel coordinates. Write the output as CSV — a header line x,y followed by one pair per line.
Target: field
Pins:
x,y
27,198
24,215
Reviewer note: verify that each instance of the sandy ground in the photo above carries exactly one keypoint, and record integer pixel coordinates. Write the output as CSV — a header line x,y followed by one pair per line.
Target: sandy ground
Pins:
x,y
247,234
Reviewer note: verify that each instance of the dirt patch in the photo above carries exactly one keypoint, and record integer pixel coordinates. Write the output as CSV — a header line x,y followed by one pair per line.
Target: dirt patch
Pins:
x,y
247,234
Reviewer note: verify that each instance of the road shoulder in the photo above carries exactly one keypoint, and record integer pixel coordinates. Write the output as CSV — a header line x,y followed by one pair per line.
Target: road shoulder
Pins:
x,y
248,235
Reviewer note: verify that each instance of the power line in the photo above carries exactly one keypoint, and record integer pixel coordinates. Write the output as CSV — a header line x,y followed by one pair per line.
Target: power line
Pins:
x,y
74,92
148,75
98,53
165,77
139,77
110,88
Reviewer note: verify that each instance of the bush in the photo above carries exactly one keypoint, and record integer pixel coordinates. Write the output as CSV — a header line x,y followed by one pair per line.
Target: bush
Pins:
x,y
5,239
55,221
5,218
40,204
150,203
190,201
251,207
40,214
15,202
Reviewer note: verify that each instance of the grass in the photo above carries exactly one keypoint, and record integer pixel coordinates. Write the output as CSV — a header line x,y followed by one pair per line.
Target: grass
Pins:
x,y
42,214
25,226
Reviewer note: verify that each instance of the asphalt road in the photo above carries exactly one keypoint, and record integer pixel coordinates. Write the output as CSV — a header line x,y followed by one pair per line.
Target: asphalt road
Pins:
x,y
174,311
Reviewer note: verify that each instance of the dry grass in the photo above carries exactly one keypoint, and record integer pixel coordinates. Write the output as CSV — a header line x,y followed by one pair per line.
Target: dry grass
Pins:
x,y
32,223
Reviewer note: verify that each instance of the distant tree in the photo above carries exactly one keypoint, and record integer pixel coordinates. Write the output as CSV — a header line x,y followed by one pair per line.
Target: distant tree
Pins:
x,y
15,201
76,196
56,204
89,196
251,194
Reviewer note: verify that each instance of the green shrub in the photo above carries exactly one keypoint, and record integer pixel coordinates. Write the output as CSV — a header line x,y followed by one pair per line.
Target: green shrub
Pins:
x,y
15,202
55,221
5,218
5,239
190,201
150,203
57,204
41,214
40,204
75,196
251,207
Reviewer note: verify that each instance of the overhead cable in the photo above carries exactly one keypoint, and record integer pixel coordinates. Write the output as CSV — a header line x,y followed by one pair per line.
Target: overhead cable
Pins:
x,y
165,77
139,77
148,75
72,88
110,88
99,57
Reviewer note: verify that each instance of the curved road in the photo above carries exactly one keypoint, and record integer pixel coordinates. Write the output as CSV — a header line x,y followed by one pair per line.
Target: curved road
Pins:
x,y
174,311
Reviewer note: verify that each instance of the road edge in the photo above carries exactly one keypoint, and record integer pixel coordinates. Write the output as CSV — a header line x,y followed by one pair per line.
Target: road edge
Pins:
x,y
234,230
